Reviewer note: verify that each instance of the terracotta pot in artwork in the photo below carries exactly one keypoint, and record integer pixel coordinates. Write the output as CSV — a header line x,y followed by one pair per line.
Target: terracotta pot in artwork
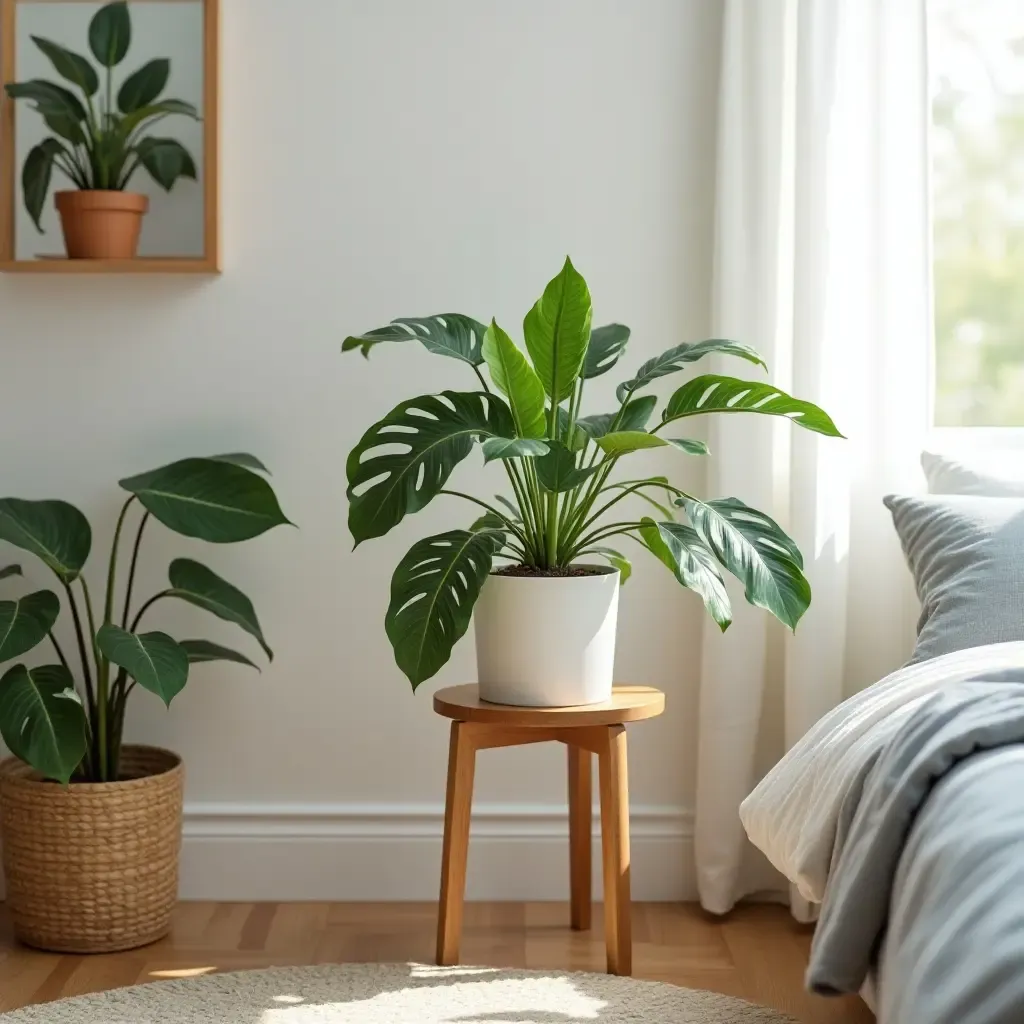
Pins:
x,y
101,225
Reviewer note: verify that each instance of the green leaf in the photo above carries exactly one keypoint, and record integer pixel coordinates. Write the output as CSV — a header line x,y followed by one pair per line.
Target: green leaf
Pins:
x,y
557,471
70,65
557,331
512,448
444,334
155,661
436,432
167,160
688,445
634,416
692,563
137,117
433,592
489,522
25,622
579,435
110,33
514,377
678,356
53,531
41,719
36,176
195,583
204,650
142,87
605,349
614,558
243,460
714,393
622,442
49,98
217,501
514,512
753,548
10,570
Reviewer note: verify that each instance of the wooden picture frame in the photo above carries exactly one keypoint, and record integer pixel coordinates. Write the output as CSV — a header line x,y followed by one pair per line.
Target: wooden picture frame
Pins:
x,y
210,261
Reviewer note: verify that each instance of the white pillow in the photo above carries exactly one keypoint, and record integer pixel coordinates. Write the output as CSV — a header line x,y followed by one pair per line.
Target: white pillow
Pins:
x,y
992,476
793,813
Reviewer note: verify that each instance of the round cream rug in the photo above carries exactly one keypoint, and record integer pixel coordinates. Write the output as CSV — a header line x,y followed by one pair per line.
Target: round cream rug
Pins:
x,y
400,994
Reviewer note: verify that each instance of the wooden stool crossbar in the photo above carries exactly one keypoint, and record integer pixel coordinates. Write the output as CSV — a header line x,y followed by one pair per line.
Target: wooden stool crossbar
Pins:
x,y
595,729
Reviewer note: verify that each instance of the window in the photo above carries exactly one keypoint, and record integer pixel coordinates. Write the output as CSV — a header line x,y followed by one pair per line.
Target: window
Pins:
x,y
976,56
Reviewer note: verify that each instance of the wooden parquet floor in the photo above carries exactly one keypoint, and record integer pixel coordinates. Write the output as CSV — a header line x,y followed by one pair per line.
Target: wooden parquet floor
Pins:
x,y
757,953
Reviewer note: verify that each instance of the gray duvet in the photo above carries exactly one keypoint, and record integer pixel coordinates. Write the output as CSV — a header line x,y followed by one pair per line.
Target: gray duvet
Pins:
x,y
927,886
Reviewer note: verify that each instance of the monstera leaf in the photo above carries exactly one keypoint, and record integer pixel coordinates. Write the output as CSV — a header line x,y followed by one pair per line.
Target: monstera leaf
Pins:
x,y
25,622
515,378
681,549
53,531
217,500
557,331
713,393
433,592
436,432
606,346
41,719
445,334
155,661
633,416
678,357
756,551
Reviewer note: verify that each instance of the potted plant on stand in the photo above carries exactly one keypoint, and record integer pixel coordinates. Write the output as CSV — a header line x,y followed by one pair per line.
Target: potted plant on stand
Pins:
x,y
545,614
101,140
91,828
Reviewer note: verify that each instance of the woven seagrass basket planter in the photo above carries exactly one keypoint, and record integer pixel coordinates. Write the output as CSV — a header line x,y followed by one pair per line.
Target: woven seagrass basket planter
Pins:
x,y
93,867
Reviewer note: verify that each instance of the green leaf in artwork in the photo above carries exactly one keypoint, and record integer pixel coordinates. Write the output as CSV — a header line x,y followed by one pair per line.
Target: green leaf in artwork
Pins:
x,y
211,499
42,720
199,651
715,393
167,160
433,592
557,331
53,531
195,583
25,622
110,33
70,66
515,378
142,87
155,661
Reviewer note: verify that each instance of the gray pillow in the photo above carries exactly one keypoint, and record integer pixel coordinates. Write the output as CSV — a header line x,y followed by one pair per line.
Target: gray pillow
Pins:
x,y
1001,477
966,555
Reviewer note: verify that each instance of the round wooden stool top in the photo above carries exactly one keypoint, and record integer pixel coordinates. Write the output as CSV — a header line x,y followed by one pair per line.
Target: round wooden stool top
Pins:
x,y
628,704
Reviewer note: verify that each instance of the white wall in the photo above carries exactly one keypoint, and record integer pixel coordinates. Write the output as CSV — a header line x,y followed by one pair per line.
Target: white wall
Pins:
x,y
383,159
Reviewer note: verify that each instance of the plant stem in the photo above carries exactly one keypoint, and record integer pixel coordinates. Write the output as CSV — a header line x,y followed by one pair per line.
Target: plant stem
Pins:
x,y
90,697
490,508
529,523
60,653
483,382
142,611
102,666
108,604
604,532
131,571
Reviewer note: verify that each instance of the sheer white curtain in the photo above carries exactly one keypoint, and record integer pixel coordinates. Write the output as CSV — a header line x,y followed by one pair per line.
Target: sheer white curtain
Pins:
x,y
822,262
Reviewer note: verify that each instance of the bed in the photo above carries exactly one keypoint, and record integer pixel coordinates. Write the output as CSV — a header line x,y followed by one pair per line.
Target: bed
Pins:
x,y
901,812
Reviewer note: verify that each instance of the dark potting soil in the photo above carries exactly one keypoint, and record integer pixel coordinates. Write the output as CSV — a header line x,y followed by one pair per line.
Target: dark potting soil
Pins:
x,y
559,571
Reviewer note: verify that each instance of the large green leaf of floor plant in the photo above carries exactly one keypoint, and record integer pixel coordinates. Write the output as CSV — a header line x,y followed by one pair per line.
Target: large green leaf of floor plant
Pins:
x,y
212,499
557,471
714,393
194,583
434,434
199,651
512,448
756,551
557,331
157,662
25,622
622,442
445,334
41,719
515,378
53,531
633,417
679,356
692,563
433,592
606,346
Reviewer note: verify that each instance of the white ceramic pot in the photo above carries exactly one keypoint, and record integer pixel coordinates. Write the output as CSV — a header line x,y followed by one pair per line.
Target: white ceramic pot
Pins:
x,y
547,641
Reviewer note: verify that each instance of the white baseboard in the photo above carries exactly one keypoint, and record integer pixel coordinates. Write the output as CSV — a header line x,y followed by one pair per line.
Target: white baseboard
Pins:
x,y
241,851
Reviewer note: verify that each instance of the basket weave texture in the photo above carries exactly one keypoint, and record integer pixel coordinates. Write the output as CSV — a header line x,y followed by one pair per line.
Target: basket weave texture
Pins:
x,y
93,867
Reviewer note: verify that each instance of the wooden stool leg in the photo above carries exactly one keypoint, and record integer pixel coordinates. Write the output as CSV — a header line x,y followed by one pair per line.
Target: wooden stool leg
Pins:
x,y
457,810
615,845
579,837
